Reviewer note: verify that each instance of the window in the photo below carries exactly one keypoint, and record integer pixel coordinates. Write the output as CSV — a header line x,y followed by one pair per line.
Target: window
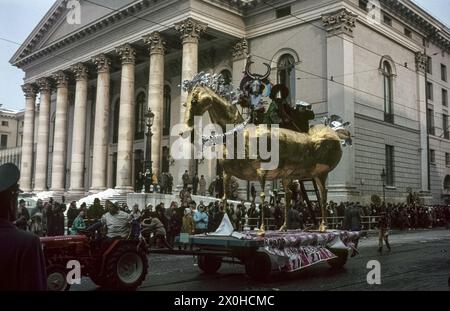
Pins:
x,y
166,113
430,121
286,74
445,126
447,159
408,32
139,127
363,4
443,72
5,123
444,97
389,165
432,156
387,20
116,122
429,91
4,142
283,12
447,182
429,65
387,77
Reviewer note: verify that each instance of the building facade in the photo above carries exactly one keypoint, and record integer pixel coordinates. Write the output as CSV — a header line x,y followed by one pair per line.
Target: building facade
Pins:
x,y
11,135
97,67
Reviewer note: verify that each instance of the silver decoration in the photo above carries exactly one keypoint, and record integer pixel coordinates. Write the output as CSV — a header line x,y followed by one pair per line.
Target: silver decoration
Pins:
x,y
212,140
216,83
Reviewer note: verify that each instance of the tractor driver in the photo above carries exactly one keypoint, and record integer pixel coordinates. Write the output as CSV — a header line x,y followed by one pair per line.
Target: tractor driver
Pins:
x,y
116,221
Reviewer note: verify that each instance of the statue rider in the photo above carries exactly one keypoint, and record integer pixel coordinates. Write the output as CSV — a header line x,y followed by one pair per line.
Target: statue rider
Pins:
x,y
304,114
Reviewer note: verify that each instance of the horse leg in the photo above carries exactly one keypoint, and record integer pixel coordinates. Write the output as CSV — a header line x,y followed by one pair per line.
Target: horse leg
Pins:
x,y
226,186
287,199
320,181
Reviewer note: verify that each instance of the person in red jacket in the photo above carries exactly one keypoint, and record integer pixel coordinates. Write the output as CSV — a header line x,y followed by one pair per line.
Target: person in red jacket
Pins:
x,y
22,263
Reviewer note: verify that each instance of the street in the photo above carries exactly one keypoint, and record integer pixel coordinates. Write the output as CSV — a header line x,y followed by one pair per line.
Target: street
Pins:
x,y
419,260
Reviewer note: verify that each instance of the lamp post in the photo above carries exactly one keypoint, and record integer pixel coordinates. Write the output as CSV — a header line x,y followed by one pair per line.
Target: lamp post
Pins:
x,y
149,119
383,180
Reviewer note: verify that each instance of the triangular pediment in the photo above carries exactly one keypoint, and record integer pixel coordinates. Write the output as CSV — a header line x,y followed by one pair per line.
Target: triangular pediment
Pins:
x,y
63,20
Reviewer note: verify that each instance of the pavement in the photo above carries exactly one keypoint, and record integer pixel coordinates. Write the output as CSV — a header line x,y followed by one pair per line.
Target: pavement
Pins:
x,y
419,260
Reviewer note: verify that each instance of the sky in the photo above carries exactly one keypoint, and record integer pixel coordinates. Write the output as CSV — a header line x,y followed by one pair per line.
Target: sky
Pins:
x,y
19,17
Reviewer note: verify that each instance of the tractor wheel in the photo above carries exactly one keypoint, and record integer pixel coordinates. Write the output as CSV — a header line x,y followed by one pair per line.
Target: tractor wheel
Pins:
x,y
126,268
259,266
57,278
340,260
209,264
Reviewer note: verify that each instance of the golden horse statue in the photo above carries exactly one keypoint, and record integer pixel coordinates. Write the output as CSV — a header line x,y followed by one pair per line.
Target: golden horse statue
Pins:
x,y
301,155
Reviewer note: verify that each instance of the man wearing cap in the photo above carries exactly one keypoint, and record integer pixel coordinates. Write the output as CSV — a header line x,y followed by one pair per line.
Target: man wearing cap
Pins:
x,y
22,263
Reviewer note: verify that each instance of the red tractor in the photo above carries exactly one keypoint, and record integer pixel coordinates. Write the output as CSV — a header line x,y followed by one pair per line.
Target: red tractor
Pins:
x,y
117,264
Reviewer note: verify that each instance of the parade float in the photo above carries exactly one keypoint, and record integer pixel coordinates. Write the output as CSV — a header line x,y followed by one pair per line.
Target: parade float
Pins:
x,y
305,154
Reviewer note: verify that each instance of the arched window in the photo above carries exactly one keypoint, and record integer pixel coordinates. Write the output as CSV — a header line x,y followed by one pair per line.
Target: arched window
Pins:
x,y
227,76
116,121
388,92
447,183
139,128
286,73
166,112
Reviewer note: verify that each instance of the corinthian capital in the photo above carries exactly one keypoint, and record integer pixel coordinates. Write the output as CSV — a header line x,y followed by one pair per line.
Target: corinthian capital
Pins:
x,y
190,29
127,53
421,62
29,90
80,71
102,62
45,85
240,50
340,22
61,79
155,42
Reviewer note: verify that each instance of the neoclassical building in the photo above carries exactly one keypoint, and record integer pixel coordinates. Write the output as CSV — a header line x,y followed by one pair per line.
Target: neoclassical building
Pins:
x,y
370,64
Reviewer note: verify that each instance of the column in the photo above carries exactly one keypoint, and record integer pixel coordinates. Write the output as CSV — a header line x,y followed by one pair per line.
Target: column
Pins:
x,y
100,156
40,183
60,137
28,137
126,122
190,31
341,99
157,47
79,129
421,65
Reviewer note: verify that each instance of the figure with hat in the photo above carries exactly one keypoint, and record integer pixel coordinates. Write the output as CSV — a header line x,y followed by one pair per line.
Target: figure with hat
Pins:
x,y
383,225
22,262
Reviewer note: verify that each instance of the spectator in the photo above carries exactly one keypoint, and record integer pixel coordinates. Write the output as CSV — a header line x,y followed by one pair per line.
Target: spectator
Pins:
x,y
188,222
78,224
200,220
195,182
136,213
153,225
169,183
253,192
202,184
185,179
23,216
72,213
175,223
